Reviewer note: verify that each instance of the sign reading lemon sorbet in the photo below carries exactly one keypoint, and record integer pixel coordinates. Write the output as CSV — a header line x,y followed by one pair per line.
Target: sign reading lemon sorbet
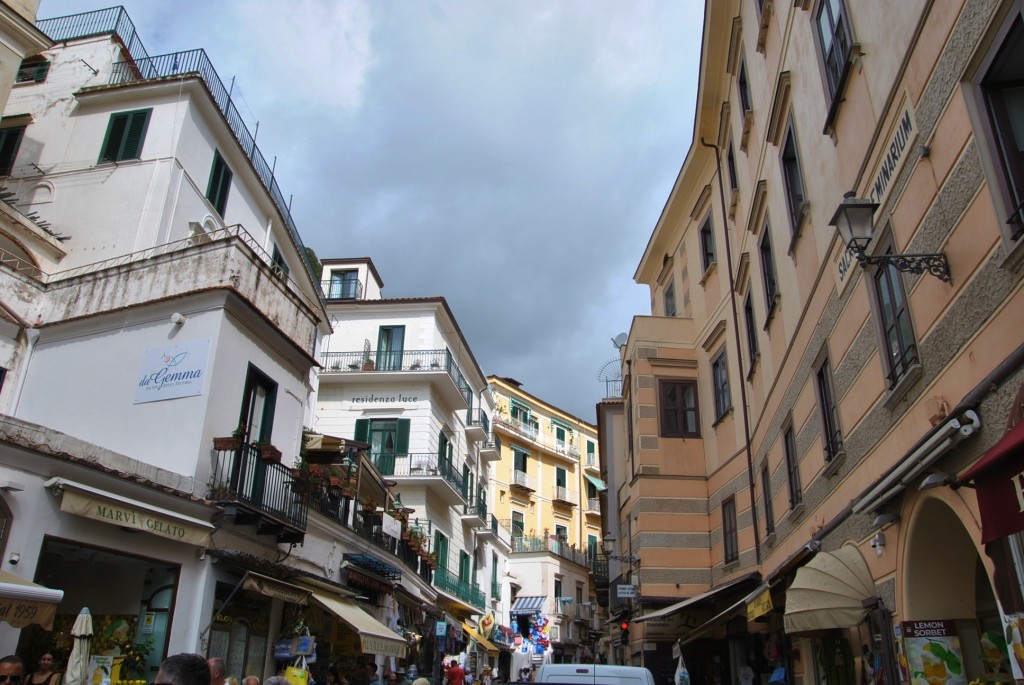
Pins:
x,y
933,653
126,516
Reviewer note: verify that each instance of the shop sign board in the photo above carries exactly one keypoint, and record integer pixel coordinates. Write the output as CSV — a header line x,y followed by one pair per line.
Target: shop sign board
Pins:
x,y
391,526
760,605
172,371
100,668
933,653
626,591
123,514
673,626
440,629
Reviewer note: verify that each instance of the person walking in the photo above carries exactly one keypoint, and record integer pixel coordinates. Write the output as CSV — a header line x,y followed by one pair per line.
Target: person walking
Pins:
x,y
185,669
456,676
218,671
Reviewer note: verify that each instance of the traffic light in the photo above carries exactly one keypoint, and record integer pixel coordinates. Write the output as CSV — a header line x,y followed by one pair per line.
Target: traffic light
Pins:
x,y
624,635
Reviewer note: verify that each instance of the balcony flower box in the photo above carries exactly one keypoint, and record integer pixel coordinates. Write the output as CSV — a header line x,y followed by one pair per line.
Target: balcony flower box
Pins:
x,y
270,454
229,443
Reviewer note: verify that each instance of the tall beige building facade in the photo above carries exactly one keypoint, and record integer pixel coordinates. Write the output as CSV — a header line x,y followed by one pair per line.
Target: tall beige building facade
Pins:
x,y
816,455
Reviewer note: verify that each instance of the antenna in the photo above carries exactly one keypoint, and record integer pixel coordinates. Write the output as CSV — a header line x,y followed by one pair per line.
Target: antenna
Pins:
x,y
610,373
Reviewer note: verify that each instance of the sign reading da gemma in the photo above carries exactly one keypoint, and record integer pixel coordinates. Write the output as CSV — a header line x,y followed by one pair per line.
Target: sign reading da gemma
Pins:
x,y
172,371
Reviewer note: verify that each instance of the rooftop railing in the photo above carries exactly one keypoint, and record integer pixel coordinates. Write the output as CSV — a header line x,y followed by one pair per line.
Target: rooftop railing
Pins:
x,y
345,289
97,23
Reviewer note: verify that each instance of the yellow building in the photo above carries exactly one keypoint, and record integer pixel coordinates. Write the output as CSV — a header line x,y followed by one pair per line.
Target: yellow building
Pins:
x,y
803,409
546,490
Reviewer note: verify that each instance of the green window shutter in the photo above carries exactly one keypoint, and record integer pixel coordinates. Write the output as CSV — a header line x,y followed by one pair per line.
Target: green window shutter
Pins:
x,y
220,183
135,133
10,141
362,430
125,135
463,565
402,441
112,141
442,445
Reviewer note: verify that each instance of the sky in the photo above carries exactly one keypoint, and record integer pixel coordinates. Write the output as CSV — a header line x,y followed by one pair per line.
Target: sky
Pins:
x,y
512,156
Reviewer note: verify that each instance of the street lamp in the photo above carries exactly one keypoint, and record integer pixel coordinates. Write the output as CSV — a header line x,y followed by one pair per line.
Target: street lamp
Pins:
x,y
854,219
609,547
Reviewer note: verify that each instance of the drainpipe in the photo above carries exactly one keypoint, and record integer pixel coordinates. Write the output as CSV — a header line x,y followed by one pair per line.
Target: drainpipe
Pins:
x,y
32,335
739,349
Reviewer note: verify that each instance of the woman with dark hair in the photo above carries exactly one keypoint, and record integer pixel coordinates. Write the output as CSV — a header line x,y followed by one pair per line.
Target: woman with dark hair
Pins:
x,y
45,675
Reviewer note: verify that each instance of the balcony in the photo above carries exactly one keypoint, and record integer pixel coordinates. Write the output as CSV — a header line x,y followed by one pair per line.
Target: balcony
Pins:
x,y
470,593
490,449
583,613
552,545
475,514
252,491
426,468
592,462
478,426
530,431
522,481
594,506
437,367
599,568
496,529
562,496
344,289
566,449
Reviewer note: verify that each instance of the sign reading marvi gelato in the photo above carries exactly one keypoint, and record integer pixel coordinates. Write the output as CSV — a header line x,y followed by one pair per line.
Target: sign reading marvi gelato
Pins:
x,y
127,516
173,371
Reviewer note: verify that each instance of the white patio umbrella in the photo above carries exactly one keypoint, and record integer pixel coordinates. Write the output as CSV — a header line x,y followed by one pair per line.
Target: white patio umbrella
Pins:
x,y
77,672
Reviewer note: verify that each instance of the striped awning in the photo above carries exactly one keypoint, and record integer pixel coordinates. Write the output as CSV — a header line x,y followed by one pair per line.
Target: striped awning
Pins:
x,y
597,482
528,604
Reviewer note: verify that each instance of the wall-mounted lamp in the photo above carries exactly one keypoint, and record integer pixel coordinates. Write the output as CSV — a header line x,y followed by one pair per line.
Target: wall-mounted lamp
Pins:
x,y
609,546
878,543
177,318
938,480
854,219
884,520
14,559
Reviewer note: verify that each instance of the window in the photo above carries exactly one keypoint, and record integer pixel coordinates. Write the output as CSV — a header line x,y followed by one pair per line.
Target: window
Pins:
x,y
831,437
495,585
707,244
670,300
894,318
441,549
793,179
126,132
10,141
463,567
388,438
748,315
720,382
730,163
33,70
560,482
796,494
390,348
744,87
518,524
678,401
766,489
280,267
730,538
1003,95
561,533
834,38
258,401
771,282
344,285
591,453
558,594
519,459
592,549
220,183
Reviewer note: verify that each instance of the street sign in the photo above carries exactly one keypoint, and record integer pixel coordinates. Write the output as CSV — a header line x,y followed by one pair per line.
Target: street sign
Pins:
x,y
626,591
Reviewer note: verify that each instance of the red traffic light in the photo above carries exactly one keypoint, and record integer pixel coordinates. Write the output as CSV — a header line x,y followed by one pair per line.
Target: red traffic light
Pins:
x,y
625,625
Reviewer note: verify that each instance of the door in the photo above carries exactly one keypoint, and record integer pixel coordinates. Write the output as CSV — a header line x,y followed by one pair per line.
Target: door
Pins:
x,y
390,344
248,473
383,441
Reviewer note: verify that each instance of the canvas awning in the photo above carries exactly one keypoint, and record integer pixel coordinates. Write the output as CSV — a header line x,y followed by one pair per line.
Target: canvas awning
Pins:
x,y
23,603
996,475
527,604
278,589
697,599
829,592
596,482
483,642
374,636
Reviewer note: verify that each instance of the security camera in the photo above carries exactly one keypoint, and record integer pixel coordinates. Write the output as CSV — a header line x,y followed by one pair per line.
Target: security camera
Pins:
x,y
14,559
878,542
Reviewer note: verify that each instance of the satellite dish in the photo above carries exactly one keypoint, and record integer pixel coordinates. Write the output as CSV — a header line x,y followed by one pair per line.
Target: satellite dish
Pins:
x,y
620,340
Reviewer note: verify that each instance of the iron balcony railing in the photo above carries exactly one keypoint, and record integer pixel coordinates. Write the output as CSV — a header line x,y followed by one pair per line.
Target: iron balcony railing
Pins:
x,y
593,505
515,528
345,289
523,480
446,581
494,443
478,509
142,67
551,545
400,360
583,612
560,493
532,432
501,528
420,464
241,475
477,417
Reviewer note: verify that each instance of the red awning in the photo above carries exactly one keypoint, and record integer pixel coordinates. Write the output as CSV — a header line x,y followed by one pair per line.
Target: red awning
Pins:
x,y
999,478
1010,444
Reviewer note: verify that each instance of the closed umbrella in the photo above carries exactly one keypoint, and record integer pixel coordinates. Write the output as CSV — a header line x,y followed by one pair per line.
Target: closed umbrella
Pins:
x,y
78,663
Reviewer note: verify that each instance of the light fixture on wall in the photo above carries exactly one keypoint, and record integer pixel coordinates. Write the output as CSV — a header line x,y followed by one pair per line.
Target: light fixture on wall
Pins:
x,y
938,480
884,520
854,219
609,547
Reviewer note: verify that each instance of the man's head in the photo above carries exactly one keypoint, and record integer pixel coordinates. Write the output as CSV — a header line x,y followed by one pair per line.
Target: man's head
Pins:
x,y
12,670
277,680
218,669
185,669
250,680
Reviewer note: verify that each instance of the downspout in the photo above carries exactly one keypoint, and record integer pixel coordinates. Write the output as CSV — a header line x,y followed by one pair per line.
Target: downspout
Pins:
x,y
32,335
739,348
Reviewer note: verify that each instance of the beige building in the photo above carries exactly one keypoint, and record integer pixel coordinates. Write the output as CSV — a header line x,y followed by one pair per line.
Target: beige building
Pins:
x,y
815,464
546,490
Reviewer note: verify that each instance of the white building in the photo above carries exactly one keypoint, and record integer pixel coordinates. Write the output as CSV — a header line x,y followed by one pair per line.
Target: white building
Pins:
x,y
155,295
399,375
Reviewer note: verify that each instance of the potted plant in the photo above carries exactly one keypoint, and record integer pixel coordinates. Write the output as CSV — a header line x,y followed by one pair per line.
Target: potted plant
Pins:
x,y
220,491
231,442
368,364
369,504
269,454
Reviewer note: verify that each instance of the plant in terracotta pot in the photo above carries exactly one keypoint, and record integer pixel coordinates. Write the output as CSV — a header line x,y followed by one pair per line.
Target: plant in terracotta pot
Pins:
x,y
231,442
268,453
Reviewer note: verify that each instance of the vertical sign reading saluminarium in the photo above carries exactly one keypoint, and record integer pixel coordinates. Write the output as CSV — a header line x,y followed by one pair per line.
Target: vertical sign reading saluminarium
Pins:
x,y
172,371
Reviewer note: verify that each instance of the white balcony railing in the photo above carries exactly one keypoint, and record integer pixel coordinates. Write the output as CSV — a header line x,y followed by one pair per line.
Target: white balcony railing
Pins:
x,y
523,480
562,494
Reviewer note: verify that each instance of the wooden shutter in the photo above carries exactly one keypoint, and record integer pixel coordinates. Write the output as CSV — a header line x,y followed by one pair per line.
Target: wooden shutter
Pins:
x,y
402,439
135,133
362,430
10,141
115,134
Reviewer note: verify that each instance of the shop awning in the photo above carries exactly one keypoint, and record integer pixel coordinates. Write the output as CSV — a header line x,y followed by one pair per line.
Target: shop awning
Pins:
x,y
829,592
527,604
996,477
124,512
374,636
597,482
370,563
486,644
23,603
272,587
697,599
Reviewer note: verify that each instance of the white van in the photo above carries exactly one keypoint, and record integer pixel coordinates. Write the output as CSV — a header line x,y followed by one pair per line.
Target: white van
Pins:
x,y
593,674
